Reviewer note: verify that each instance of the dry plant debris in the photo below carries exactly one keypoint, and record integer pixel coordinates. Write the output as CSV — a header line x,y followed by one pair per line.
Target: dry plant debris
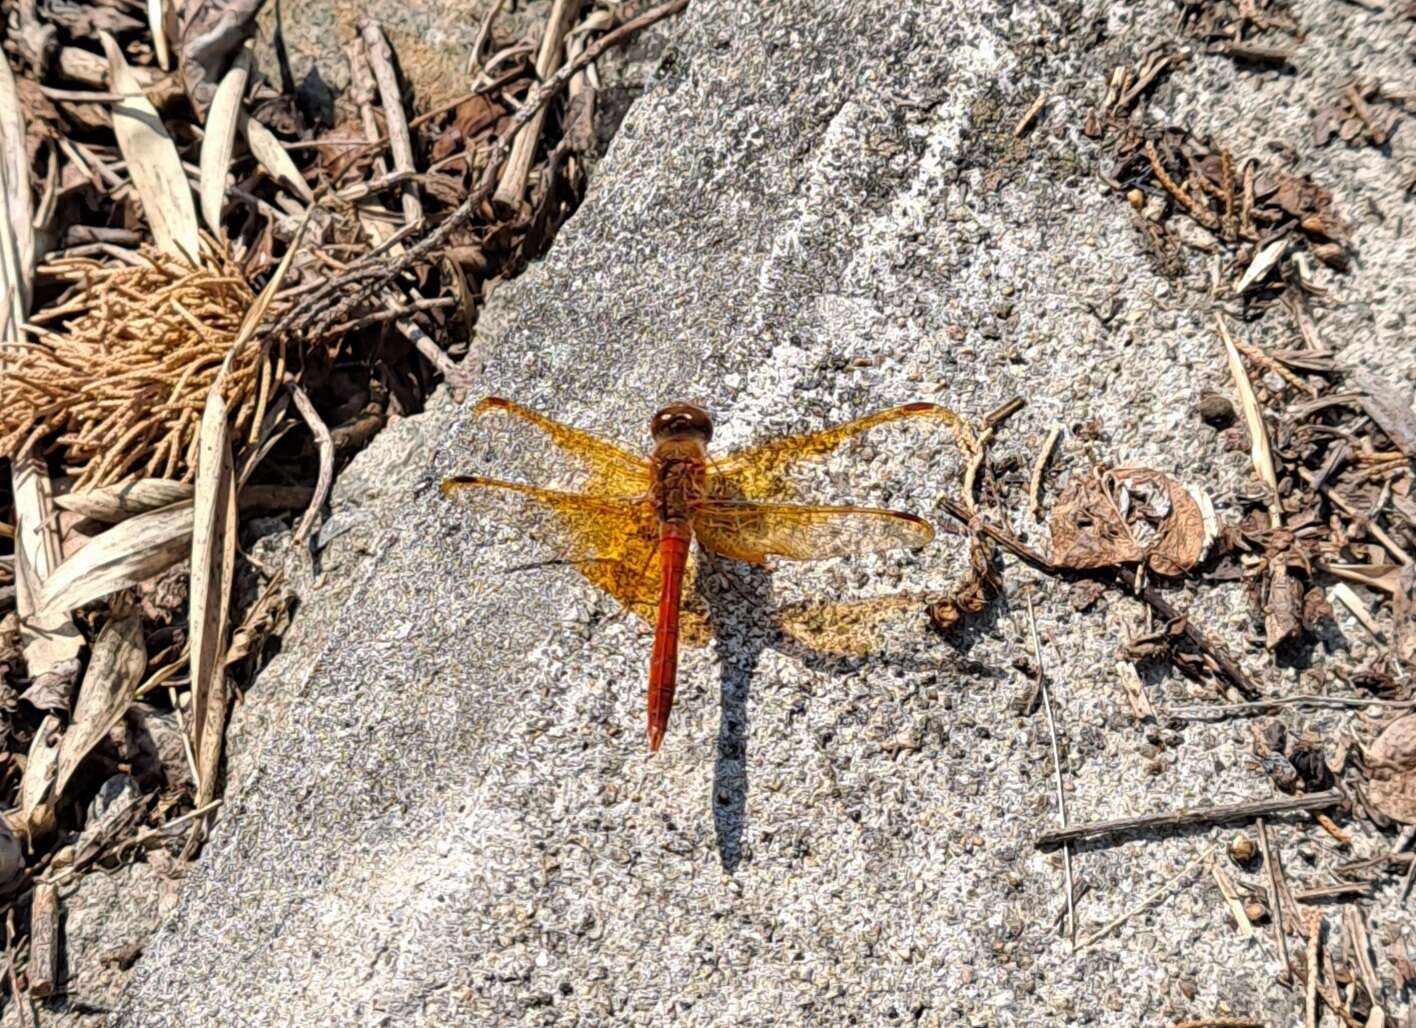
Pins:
x,y
211,301
1327,517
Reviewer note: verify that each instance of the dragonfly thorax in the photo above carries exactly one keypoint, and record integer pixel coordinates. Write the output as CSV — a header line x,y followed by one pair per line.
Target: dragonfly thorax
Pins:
x,y
680,470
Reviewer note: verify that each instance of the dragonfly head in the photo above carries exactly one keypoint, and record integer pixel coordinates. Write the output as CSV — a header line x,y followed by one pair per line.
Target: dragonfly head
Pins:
x,y
679,420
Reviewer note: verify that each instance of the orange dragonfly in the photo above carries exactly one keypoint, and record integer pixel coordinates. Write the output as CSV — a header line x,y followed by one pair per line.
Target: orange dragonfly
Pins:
x,y
629,530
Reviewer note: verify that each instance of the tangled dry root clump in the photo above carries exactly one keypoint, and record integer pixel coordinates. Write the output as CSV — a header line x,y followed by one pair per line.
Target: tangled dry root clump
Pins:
x,y
124,376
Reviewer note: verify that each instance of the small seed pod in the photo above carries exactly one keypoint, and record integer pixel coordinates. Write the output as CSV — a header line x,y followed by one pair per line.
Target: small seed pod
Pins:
x,y
1242,850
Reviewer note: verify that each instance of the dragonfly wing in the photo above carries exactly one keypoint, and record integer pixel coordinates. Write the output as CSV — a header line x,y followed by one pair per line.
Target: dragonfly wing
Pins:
x,y
765,472
612,470
612,542
754,531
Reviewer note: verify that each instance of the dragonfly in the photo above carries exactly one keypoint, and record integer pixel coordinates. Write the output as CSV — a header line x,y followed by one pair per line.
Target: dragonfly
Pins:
x,y
630,528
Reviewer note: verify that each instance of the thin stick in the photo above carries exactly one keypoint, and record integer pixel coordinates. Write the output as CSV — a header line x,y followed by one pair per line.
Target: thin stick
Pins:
x,y
1039,468
1275,901
325,444
1323,892
1056,769
518,165
1160,893
1219,814
380,59
1214,713
1310,995
1025,122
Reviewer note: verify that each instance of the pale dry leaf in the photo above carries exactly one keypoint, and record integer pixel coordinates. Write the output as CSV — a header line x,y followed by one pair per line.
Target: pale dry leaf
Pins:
x,y
124,555
156,19
117,663
1382,577
273,158
1264,262
213,559
153,162
1259,451
19,244
1392,763
48,636
114,503
39,771
219,140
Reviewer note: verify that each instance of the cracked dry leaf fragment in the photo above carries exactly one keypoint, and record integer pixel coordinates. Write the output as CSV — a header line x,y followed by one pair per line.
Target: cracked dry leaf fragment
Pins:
x,y
1392,763
1129,516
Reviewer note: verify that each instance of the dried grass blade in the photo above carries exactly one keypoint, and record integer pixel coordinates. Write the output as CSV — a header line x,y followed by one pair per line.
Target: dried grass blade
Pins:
x,y
114,503
273,158
19,214
117,664
124,555
47,635
1259,450
156,26
153,162
213,559
39,771
220,139
1383,577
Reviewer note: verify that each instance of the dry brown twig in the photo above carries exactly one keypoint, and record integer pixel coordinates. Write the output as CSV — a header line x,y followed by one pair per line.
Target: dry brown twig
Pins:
x,y
1056,770
1223,813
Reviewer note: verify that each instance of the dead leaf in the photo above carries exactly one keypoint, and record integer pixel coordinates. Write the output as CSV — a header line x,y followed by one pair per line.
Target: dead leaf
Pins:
x,y
115,668
53,690
114,503
219,140
39,771
1128,516
211,30
1392,763
124,555
213,555
153,163
271,155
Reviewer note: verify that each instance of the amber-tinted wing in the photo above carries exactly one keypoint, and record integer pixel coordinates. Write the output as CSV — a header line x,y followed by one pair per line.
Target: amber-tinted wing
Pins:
x,y
755,531
764,472
613,543
612,470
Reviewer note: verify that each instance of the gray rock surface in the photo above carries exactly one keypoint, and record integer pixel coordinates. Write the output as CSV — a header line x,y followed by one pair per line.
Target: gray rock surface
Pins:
x,y
441,811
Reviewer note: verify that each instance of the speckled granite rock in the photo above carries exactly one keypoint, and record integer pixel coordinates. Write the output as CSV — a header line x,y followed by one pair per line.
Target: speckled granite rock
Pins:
x,y
441,810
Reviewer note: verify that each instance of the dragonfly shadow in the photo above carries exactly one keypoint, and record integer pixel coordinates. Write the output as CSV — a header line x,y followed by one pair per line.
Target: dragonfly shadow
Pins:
x,y
738,597
744,620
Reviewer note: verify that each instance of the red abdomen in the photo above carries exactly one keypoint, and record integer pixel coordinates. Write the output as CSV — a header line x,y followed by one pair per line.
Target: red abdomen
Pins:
x,y
663,665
